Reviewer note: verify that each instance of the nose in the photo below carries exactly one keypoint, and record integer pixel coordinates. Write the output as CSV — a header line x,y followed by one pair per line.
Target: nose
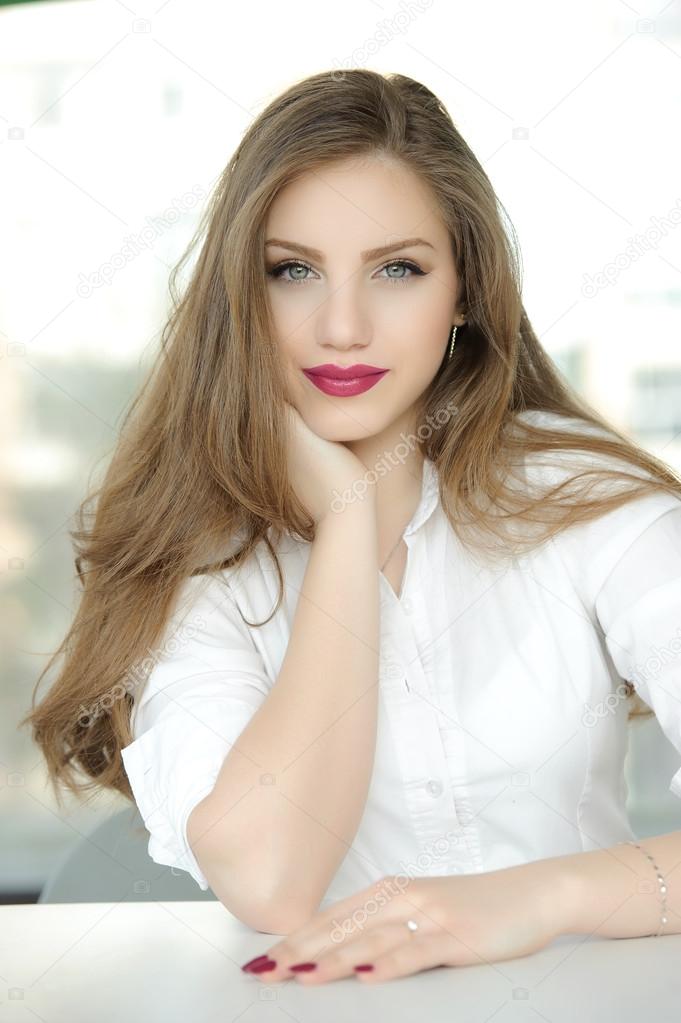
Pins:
x,y
342,321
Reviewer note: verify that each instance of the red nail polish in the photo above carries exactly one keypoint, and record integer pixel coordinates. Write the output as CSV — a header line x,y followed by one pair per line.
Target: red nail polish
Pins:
x,y
303,967
252,962
263,967
270,964
365,966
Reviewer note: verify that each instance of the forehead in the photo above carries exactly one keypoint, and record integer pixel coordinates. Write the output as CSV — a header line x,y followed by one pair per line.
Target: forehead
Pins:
x,y
370,200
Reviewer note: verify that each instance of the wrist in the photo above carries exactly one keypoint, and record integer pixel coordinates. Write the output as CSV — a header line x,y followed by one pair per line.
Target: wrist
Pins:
x,y
558,886
350,516
569,882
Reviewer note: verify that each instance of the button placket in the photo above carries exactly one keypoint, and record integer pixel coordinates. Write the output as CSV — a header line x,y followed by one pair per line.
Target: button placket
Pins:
x,y
391,669
424,763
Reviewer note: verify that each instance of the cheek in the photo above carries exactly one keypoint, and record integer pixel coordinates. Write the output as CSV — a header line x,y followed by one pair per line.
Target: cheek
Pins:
x,y
418,373
436,320
291,303
425,321
294,380
421,343
282,313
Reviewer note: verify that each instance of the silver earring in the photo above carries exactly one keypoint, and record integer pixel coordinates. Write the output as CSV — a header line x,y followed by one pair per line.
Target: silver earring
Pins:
x,y
451,347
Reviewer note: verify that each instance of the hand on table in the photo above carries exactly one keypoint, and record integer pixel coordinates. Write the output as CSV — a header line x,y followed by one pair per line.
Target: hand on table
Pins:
x,y
462,920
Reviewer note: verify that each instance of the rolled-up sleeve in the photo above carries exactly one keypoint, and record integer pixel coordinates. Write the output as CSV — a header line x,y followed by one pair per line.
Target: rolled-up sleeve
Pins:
x,y
207,681
639,609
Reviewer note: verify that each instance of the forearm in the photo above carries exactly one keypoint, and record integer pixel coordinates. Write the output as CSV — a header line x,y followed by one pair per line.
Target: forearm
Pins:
x,y
614,892
292,790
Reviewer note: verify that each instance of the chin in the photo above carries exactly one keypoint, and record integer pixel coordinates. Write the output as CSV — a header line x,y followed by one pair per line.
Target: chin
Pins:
x,y
338,425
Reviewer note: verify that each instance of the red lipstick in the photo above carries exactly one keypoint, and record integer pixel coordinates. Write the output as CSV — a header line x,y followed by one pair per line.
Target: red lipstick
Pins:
x,y
344,382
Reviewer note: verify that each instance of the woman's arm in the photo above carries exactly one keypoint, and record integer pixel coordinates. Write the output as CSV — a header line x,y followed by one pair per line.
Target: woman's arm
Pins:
x,y
288,801
478,918
614,892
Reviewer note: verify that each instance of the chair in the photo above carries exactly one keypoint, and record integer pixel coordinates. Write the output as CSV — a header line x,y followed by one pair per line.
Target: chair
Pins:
x,y
112,864
651,761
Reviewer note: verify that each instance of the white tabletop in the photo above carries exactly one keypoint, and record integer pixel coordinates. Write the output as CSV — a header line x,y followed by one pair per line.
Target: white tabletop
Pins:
x,y
167,961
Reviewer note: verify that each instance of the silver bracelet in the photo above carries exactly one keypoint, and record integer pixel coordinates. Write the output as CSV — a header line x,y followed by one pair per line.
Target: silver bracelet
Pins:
x,y
661,884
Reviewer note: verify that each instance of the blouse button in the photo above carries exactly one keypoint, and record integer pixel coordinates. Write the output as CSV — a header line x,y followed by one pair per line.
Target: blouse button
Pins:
x,y
406,604
434,787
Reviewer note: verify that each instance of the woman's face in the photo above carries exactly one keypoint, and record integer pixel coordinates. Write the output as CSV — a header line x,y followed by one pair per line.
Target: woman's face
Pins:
x,y
344,305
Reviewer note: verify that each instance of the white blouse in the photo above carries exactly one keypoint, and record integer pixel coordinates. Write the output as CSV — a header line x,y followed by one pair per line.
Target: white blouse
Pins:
x,y
502,720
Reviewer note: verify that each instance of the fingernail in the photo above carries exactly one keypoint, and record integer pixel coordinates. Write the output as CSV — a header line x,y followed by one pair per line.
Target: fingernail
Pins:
x,y
264,967
303,967
251,962
260,965
365,966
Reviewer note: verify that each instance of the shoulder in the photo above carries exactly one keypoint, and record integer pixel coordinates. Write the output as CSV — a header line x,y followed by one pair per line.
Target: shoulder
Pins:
x,y
593,548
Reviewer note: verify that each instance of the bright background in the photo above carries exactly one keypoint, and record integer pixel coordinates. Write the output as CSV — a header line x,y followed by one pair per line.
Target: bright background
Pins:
x,y
115,121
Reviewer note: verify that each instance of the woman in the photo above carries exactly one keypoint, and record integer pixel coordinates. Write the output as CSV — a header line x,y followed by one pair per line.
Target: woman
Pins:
x,y
364,572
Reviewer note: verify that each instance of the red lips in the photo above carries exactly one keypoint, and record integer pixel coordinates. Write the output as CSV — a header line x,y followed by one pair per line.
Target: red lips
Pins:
x,y
332,372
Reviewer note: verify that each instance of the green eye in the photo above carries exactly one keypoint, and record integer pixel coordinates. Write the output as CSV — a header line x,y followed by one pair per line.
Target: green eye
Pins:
x,y
277,271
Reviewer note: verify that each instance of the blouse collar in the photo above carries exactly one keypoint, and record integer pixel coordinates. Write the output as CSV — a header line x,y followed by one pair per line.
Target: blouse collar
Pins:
x,y
430,494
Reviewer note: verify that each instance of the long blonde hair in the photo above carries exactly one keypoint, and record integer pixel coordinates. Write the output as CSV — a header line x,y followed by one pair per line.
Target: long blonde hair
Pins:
x,y
201,453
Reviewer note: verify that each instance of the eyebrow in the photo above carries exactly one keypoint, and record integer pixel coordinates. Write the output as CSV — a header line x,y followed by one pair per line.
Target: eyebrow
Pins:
x,y
366,255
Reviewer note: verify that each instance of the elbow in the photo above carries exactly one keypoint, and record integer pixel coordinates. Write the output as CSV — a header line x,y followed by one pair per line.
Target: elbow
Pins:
x,y
266,911
271,918
237,882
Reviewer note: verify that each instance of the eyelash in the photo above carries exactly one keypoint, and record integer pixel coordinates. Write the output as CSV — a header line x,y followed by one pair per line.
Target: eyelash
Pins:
x,y
275,272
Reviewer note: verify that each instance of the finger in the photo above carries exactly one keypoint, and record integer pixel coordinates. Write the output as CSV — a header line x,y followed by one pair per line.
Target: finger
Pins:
x,y
333,930
341,962
412,956
345,920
